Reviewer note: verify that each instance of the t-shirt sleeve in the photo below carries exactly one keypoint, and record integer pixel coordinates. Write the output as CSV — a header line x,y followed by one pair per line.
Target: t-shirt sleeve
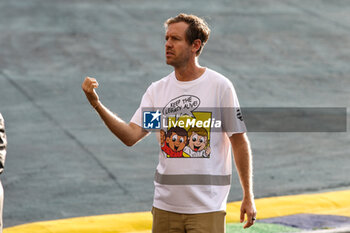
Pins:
x,y
146,102
232,119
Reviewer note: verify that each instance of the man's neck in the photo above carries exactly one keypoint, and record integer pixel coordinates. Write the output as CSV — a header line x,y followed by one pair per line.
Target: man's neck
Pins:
x,y
189,72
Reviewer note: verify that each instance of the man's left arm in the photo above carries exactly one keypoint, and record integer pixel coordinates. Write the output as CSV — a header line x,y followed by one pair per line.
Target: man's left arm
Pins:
x,y
243,160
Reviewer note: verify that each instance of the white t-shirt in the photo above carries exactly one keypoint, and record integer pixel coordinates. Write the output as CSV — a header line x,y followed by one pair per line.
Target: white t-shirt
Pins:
x,y
194,170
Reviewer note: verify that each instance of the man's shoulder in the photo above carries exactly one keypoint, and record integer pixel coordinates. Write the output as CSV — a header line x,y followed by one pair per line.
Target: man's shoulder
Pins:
x,y
218,78
161,82
164,79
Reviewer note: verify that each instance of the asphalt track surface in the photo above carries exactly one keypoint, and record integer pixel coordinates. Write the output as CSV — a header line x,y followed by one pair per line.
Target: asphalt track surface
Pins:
x,y
62,162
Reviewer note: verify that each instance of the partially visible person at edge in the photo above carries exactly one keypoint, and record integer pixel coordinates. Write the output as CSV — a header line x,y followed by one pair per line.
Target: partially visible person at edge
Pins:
x,y
190,193
3,144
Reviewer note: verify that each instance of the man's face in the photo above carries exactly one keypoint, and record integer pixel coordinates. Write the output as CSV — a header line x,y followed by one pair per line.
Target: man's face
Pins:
x,y
176,142
177,49
197,142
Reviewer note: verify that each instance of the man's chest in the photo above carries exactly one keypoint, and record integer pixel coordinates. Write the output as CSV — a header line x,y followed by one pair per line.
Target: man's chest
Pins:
x,y
186,98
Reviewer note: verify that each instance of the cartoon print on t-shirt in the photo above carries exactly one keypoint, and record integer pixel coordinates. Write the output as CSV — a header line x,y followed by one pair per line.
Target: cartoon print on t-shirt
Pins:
x,y
174,141
185,137
198,143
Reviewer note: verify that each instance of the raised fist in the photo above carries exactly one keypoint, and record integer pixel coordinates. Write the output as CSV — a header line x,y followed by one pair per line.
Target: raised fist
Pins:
x,y
88,87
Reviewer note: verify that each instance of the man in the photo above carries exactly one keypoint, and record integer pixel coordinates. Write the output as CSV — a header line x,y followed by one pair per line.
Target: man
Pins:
x,y
3,144
190,193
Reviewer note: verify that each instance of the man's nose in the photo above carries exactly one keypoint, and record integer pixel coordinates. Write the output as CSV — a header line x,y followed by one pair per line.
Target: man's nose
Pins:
x,y
168,44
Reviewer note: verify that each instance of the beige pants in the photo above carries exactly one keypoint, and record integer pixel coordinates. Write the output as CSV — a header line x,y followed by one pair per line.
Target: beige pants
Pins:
x,y
169,222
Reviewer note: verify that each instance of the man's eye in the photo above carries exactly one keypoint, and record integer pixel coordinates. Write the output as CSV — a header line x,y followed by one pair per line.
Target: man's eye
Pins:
x,y
174,138
181,139
201,140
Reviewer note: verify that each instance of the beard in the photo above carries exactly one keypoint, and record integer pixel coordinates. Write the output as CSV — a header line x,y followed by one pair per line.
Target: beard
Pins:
x,y
179,60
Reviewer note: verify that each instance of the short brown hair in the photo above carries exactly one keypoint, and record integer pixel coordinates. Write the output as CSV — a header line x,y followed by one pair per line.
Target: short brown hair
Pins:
x,y
197,28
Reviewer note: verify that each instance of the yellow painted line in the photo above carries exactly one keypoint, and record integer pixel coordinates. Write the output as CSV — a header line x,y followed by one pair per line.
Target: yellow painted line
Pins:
x,y
334,203
128,222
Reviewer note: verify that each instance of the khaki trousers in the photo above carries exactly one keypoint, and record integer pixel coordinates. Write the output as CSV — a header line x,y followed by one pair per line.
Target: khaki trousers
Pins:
x,y
169,222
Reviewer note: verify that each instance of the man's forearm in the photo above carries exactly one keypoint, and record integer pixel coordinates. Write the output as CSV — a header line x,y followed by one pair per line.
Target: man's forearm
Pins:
x,y
243,160
129,134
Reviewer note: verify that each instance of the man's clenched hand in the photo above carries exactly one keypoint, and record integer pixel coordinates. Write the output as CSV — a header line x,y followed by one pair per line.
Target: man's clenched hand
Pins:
x,y
88,87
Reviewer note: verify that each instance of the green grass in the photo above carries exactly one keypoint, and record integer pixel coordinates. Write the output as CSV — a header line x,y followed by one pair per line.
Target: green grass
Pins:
x,y
259,228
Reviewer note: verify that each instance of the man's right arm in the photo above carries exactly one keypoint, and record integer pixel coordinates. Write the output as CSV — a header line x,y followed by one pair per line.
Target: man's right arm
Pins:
x,y
129,134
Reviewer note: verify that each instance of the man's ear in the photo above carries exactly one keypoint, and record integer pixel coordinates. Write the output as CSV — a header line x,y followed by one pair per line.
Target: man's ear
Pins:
x,y
196,45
